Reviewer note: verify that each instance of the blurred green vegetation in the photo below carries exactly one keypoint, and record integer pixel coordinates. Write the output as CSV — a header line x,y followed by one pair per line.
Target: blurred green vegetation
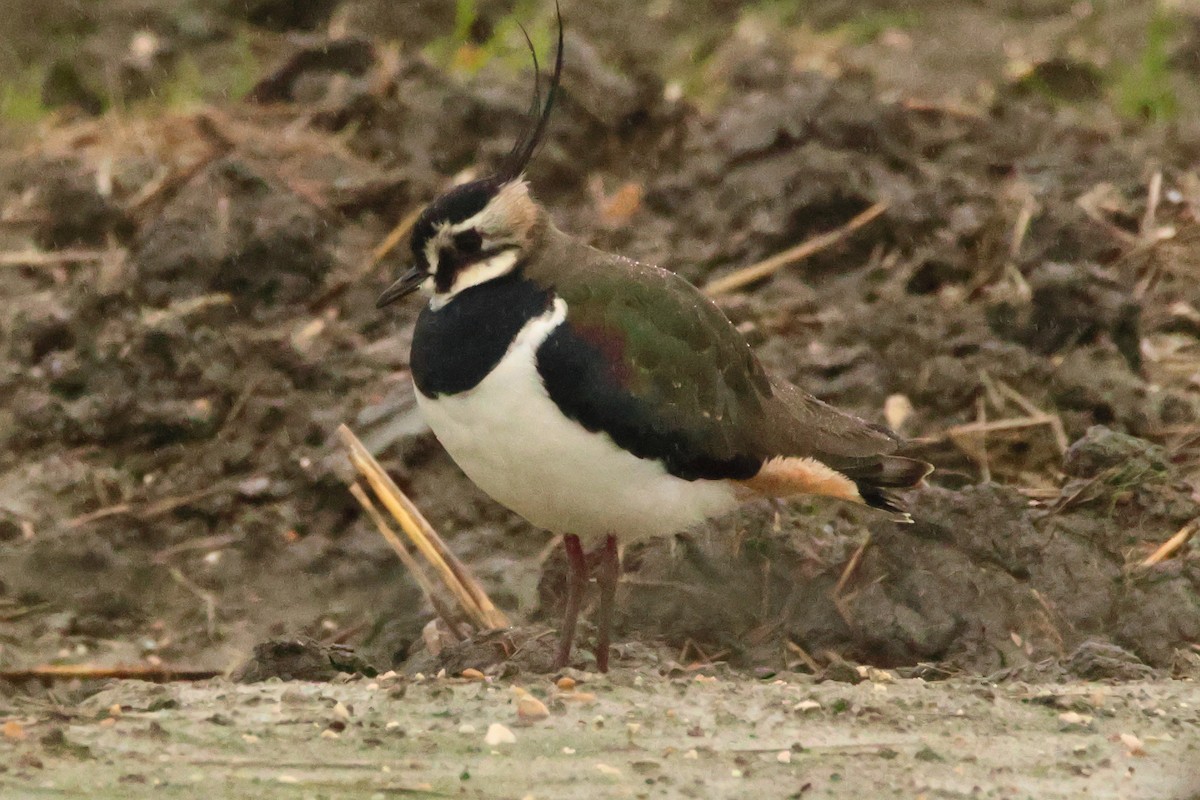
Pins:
x,y
21,98
190,83
1143,90
225,72
867,26
1134,76
469,46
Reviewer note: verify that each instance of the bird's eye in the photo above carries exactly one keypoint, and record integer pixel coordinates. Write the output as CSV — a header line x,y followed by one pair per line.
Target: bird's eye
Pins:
x,y
468,241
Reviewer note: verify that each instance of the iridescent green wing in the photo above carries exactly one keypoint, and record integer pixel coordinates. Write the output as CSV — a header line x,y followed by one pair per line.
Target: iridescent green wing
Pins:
x,y
649,360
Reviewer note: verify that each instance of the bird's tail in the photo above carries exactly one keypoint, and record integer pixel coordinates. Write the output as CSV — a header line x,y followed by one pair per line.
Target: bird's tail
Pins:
x,y
876,478
869,480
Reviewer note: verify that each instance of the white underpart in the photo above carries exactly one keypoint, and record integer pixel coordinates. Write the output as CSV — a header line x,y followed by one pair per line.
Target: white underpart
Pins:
x,y
510,439
475,274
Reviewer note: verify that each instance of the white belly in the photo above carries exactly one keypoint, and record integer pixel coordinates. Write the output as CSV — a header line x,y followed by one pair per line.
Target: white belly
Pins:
x,y
513,442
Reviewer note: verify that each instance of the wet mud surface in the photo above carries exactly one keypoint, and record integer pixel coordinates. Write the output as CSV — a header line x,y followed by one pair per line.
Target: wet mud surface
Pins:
x,y
1025,309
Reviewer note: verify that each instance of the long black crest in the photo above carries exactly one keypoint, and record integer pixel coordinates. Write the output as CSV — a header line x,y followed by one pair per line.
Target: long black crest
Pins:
x,y
515,162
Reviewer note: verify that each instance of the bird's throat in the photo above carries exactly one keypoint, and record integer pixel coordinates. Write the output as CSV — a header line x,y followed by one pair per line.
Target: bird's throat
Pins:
x,y
455,346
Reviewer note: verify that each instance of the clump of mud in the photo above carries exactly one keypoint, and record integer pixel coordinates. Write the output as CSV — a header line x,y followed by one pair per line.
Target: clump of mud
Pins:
x,y
984,580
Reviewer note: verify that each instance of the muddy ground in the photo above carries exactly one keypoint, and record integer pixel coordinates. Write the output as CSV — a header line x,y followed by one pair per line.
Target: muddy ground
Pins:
x,y
191,194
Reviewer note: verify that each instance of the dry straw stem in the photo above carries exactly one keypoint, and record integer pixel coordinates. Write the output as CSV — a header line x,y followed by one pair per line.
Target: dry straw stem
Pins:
x,y
49,258
1053,420
406,558
381,250
766,268
959,432
851,566
804,657
145,511
473,600
210,602
985,465
1168,548
393,238
48,673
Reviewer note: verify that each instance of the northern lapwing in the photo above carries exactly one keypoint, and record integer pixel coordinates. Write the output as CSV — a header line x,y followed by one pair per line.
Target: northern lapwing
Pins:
x,y
604,399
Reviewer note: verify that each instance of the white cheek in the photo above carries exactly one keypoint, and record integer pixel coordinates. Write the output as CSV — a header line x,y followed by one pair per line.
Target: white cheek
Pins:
x,y
489,269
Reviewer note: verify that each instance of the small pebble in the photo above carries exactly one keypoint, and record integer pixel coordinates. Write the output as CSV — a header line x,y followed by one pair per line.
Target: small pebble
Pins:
x,y
391,725
583,698
472,674
340,712
897,408
806,705
565,683
330,734
497,734
466,727
606,769
784,756
530,709
691,754
253,487
1133,744
568,751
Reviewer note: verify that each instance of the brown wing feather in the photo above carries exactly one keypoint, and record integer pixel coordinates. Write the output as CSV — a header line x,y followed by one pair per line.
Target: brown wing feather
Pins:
x,y
805,426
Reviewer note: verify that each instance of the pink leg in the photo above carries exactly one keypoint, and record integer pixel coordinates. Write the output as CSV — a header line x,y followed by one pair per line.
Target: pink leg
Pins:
x,y
606,578
577,575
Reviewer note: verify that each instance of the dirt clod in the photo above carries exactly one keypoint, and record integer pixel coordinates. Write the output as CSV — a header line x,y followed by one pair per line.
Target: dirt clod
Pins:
x,y
300,659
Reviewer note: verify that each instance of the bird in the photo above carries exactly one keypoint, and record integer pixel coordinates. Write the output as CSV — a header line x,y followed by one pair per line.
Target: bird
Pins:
x,y
602,399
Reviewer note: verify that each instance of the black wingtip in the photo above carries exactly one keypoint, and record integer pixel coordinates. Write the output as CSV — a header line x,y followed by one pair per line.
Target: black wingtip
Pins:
x,y
886,501
876,482
539,115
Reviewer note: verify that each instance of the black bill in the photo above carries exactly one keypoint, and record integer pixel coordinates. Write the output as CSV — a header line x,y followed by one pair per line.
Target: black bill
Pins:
x,y
406,285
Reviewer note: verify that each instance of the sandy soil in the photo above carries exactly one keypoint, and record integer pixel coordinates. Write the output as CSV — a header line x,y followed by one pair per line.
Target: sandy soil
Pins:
x,y
631,734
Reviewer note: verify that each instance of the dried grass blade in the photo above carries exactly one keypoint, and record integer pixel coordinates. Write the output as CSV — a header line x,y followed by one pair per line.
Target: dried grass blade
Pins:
x,y
393,238
470,594
769,266
406,558
49,258
84,672
851,566
1168,548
